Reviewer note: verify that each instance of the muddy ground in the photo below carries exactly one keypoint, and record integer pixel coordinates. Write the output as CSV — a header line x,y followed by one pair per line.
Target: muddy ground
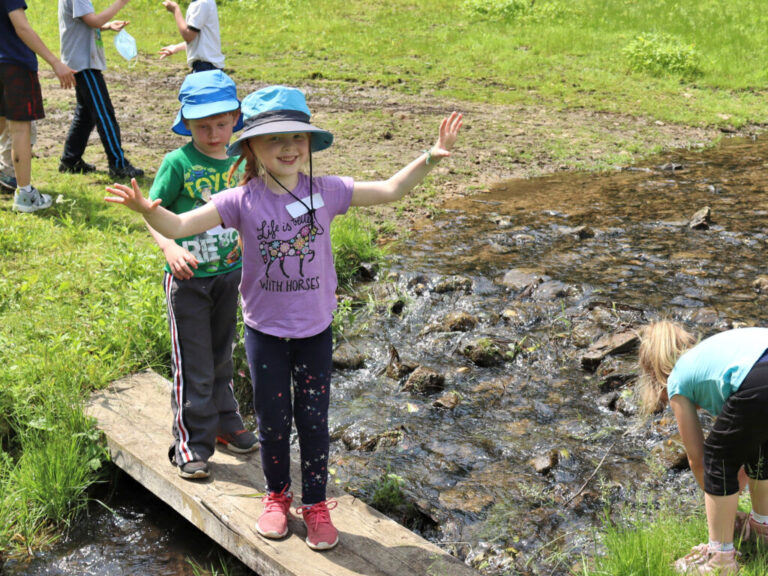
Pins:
x,y
379,130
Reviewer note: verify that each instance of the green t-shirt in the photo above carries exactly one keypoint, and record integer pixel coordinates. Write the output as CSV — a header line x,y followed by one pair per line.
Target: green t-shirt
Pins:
x,y
187,179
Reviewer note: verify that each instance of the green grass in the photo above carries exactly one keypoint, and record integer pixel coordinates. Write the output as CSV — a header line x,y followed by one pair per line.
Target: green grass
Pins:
x,y
353,238
563,53
648,545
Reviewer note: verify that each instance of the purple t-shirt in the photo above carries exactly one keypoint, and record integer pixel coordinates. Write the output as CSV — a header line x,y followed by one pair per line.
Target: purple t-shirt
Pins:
x,y
289,281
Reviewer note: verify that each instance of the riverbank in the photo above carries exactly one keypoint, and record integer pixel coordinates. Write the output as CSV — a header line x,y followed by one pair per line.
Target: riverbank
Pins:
x,y
378,130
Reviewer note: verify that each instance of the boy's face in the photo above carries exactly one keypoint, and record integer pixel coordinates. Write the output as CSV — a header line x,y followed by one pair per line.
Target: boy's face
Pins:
x,y
211,135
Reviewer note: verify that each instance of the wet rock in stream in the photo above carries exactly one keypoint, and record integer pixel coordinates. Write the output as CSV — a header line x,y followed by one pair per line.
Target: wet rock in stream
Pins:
x,y
358,438
452,284
760,284
349,357
483,352
519,280
397,368
543,463
424,380
458,322
702,219
449,401
671,453
616,343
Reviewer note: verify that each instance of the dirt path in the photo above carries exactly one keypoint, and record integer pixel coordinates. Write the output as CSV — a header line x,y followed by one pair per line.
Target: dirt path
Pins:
x,y
378,130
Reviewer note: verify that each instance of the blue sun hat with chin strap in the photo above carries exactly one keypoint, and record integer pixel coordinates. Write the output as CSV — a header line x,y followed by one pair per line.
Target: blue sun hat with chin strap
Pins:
x,y
278,110
204,94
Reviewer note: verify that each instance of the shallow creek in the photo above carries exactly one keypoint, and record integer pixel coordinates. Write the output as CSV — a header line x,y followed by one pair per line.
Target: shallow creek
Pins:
x,y
517,465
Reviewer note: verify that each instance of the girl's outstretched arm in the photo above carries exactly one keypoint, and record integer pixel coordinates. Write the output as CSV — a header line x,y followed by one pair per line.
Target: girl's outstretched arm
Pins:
x,y
164,221
370,193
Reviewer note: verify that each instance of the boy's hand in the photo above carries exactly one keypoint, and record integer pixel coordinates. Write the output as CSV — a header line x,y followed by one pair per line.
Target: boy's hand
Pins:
x,y
449,132
170,5
116,25
170,50
180,260
65,74
131,197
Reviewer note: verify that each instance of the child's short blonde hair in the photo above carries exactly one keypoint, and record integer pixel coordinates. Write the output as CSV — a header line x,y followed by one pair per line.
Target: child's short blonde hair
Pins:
x,y
661,344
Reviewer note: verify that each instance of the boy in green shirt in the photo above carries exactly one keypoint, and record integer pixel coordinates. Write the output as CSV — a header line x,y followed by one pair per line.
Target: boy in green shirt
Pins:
x,y
202,276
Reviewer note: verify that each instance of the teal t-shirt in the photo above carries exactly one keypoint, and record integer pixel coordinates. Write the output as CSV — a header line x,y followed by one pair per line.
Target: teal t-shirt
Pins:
x,y
187,179
715,368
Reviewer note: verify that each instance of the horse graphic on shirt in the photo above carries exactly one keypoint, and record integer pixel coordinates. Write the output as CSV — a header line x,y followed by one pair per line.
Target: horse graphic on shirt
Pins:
x,y
299,246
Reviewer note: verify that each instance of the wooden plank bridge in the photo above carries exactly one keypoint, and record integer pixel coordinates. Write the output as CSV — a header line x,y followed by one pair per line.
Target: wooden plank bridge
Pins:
x,y
134,414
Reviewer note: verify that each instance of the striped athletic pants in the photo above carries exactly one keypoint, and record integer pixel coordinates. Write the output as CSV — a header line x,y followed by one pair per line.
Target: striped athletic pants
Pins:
x,y
93,109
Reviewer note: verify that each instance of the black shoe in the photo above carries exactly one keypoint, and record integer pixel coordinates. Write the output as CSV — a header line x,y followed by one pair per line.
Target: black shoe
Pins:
x,y
128,171
78,167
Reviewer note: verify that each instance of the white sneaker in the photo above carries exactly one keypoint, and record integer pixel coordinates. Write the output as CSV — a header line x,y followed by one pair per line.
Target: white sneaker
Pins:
x,y
31,201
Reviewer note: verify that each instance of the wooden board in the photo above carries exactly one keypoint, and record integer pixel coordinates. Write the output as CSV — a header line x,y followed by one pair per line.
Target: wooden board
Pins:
x,y
135,415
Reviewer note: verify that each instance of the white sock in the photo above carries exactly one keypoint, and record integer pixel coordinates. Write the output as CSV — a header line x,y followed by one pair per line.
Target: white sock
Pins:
x,y
720,546
26,189
762,519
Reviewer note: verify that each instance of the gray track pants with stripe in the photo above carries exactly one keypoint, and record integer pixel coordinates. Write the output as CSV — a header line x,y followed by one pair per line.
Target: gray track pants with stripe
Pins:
x,y
202,314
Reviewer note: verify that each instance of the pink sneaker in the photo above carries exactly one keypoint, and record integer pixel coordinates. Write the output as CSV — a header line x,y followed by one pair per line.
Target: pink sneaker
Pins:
x,y
273,522
696,557
321,534
701,561
758,530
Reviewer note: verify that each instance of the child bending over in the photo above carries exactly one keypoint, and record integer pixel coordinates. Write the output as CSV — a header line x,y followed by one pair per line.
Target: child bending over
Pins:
x,y
726,375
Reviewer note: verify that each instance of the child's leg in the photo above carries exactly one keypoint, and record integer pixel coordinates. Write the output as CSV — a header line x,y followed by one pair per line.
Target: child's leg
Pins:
x,y
195,418
721,516
92,92
312,365
225,296
21,145
6,159
269,362
757,471
22,102
83,122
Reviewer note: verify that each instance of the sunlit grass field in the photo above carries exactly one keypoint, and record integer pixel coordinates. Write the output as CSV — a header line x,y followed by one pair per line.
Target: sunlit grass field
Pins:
x,y
562,53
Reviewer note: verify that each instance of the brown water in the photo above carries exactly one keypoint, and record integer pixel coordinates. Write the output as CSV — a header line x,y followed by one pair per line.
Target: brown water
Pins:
x,y
468,471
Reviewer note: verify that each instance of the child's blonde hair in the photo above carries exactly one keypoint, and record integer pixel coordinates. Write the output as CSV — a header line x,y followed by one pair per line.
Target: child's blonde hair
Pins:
x,y
661,344
253,168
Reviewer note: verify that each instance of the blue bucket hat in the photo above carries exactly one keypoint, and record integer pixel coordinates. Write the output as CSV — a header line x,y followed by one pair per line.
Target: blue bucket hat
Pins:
x,y
204,94
278,110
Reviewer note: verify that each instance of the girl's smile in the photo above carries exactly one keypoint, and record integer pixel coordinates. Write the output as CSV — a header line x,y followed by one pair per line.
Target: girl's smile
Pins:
x,y
282,155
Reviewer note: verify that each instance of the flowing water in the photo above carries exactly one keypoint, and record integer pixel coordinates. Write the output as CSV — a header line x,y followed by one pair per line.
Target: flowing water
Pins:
x,y
516,472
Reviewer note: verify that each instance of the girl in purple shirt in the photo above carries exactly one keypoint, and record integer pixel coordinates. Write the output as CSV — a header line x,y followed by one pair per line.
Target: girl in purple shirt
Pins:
x,y
288,284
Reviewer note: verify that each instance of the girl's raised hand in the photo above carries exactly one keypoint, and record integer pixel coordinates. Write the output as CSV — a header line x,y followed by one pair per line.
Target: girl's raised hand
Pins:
x,y
131,197
449,132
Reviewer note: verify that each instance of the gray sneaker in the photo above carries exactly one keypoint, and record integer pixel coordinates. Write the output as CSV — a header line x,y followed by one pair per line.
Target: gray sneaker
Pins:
x,y
240,442
194,470
31,201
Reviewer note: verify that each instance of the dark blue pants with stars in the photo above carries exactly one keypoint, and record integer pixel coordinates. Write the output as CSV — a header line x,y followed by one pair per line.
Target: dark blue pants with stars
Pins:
x,y
275,363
